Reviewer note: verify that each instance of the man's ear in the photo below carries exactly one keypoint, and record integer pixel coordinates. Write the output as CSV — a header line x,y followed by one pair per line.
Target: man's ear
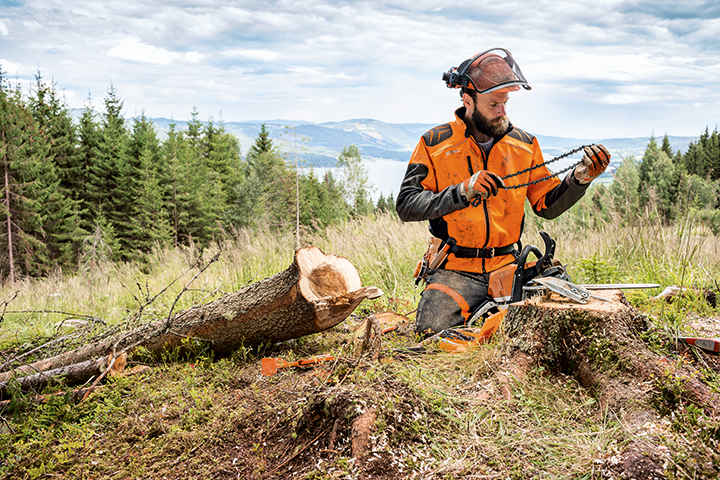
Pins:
x,y
467,101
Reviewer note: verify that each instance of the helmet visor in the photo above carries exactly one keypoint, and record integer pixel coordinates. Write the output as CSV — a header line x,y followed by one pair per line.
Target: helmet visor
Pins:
x,y
493,70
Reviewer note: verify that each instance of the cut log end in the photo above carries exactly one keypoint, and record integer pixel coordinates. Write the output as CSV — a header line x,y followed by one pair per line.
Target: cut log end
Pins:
x,y
323,275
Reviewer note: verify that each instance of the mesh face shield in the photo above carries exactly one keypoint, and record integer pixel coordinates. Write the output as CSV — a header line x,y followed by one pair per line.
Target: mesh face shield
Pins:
x,y
486,72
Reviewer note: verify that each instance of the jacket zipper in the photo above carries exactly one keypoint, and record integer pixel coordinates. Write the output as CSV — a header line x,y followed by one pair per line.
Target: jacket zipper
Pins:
x,y
484,202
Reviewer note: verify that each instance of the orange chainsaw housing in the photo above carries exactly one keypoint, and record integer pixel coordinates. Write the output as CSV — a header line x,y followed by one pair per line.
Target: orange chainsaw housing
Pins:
x,y
501,282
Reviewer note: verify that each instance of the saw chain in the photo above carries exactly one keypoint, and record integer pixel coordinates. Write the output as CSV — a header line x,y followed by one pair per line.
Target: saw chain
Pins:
x,y
477,200
553,175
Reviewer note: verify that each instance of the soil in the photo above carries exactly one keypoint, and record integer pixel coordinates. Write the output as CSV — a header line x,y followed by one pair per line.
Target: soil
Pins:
x,y
322,422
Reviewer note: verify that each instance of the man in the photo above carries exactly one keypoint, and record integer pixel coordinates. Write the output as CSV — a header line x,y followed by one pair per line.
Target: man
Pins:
x,y
455,181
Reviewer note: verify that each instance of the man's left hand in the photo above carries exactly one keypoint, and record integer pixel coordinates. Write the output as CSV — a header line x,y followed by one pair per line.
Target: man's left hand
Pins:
x,y
595,161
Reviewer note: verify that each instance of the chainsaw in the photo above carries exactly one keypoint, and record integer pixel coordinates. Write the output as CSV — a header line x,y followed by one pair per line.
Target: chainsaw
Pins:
x,y
524,279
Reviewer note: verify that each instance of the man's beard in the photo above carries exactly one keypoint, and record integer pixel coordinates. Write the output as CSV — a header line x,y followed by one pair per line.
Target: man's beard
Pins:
x,y
495,129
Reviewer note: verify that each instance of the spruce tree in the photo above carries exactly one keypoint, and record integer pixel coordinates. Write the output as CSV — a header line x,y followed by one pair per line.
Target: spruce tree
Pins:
x,y
223,157
263,144
647,165
665,147
319,200
104,173
712,149
61,206
696,161
25,171
192,188
88,150
177,189
266,192
141,179
151,227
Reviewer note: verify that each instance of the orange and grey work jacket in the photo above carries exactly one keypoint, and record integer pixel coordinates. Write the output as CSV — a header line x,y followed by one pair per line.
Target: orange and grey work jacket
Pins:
x,y
447,155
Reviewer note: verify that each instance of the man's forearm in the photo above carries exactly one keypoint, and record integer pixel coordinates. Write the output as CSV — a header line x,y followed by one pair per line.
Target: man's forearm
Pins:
x,y
415,203
561,198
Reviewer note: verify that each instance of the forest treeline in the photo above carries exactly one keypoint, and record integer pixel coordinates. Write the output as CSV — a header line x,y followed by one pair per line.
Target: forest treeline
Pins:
x,y
78,193
663,185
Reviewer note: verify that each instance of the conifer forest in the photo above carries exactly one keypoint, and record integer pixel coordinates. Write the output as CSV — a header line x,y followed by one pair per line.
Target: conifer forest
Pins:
x,y
75,193
79,192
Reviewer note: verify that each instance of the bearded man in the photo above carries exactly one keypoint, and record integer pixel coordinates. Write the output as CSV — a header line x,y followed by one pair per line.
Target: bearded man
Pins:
x,y
455,180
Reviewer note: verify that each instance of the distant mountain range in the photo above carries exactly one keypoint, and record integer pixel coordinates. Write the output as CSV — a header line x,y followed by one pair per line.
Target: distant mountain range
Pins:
x,y
320,144
387,147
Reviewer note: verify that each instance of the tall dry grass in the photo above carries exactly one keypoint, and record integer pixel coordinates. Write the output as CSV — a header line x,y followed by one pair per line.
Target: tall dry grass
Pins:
x,y
382,248
686,253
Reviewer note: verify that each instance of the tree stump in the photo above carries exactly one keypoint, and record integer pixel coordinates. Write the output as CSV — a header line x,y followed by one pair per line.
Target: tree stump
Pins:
x,y
315,293
600,345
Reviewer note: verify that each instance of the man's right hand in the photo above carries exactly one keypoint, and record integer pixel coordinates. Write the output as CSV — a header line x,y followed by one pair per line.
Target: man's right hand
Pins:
x,y
594,163
482,183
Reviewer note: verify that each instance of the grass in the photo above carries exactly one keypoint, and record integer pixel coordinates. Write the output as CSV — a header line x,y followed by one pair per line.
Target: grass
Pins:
x,y
439,416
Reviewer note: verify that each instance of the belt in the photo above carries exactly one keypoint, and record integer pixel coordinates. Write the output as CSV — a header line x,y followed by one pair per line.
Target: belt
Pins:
x,y
468,252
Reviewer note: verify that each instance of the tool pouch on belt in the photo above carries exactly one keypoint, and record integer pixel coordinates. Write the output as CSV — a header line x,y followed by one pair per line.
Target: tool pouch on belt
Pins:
x,y
436,253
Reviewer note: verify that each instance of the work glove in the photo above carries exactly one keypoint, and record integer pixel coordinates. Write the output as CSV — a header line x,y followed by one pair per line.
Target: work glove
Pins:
x,y
483,184
594,163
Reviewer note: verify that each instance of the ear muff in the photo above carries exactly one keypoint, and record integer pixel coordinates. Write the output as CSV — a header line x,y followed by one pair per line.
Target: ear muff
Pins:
x,y
457,77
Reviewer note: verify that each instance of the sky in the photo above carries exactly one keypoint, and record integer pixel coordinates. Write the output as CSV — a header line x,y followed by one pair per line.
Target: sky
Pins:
x,y
598,68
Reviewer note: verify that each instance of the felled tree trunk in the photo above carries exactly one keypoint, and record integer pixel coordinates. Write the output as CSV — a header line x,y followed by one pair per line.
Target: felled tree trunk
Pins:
x,y
315,293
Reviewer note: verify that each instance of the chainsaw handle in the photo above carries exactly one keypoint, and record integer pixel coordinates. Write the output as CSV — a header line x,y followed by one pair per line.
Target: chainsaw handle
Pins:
x,y
526,251
545,260
519,277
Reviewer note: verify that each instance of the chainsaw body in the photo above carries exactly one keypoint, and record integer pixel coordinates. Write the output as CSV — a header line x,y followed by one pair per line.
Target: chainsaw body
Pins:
x,y
519,281
513,283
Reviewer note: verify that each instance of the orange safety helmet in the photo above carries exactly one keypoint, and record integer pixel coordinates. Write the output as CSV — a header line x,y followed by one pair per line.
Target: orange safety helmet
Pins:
x,y
495,70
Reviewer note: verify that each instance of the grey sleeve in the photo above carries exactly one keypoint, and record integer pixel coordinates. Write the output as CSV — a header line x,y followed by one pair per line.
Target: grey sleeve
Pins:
x,y
415,203
562,197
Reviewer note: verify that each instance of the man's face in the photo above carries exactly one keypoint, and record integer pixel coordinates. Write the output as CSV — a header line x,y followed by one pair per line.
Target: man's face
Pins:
x,y
489,114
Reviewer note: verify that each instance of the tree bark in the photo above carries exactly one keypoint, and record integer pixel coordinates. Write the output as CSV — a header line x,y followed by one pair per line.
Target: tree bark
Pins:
x,y
315,293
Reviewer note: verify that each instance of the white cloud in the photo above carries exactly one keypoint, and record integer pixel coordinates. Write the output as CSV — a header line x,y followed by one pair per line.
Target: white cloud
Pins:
x,y
262,55
13,69
322,60
133,49
194,57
